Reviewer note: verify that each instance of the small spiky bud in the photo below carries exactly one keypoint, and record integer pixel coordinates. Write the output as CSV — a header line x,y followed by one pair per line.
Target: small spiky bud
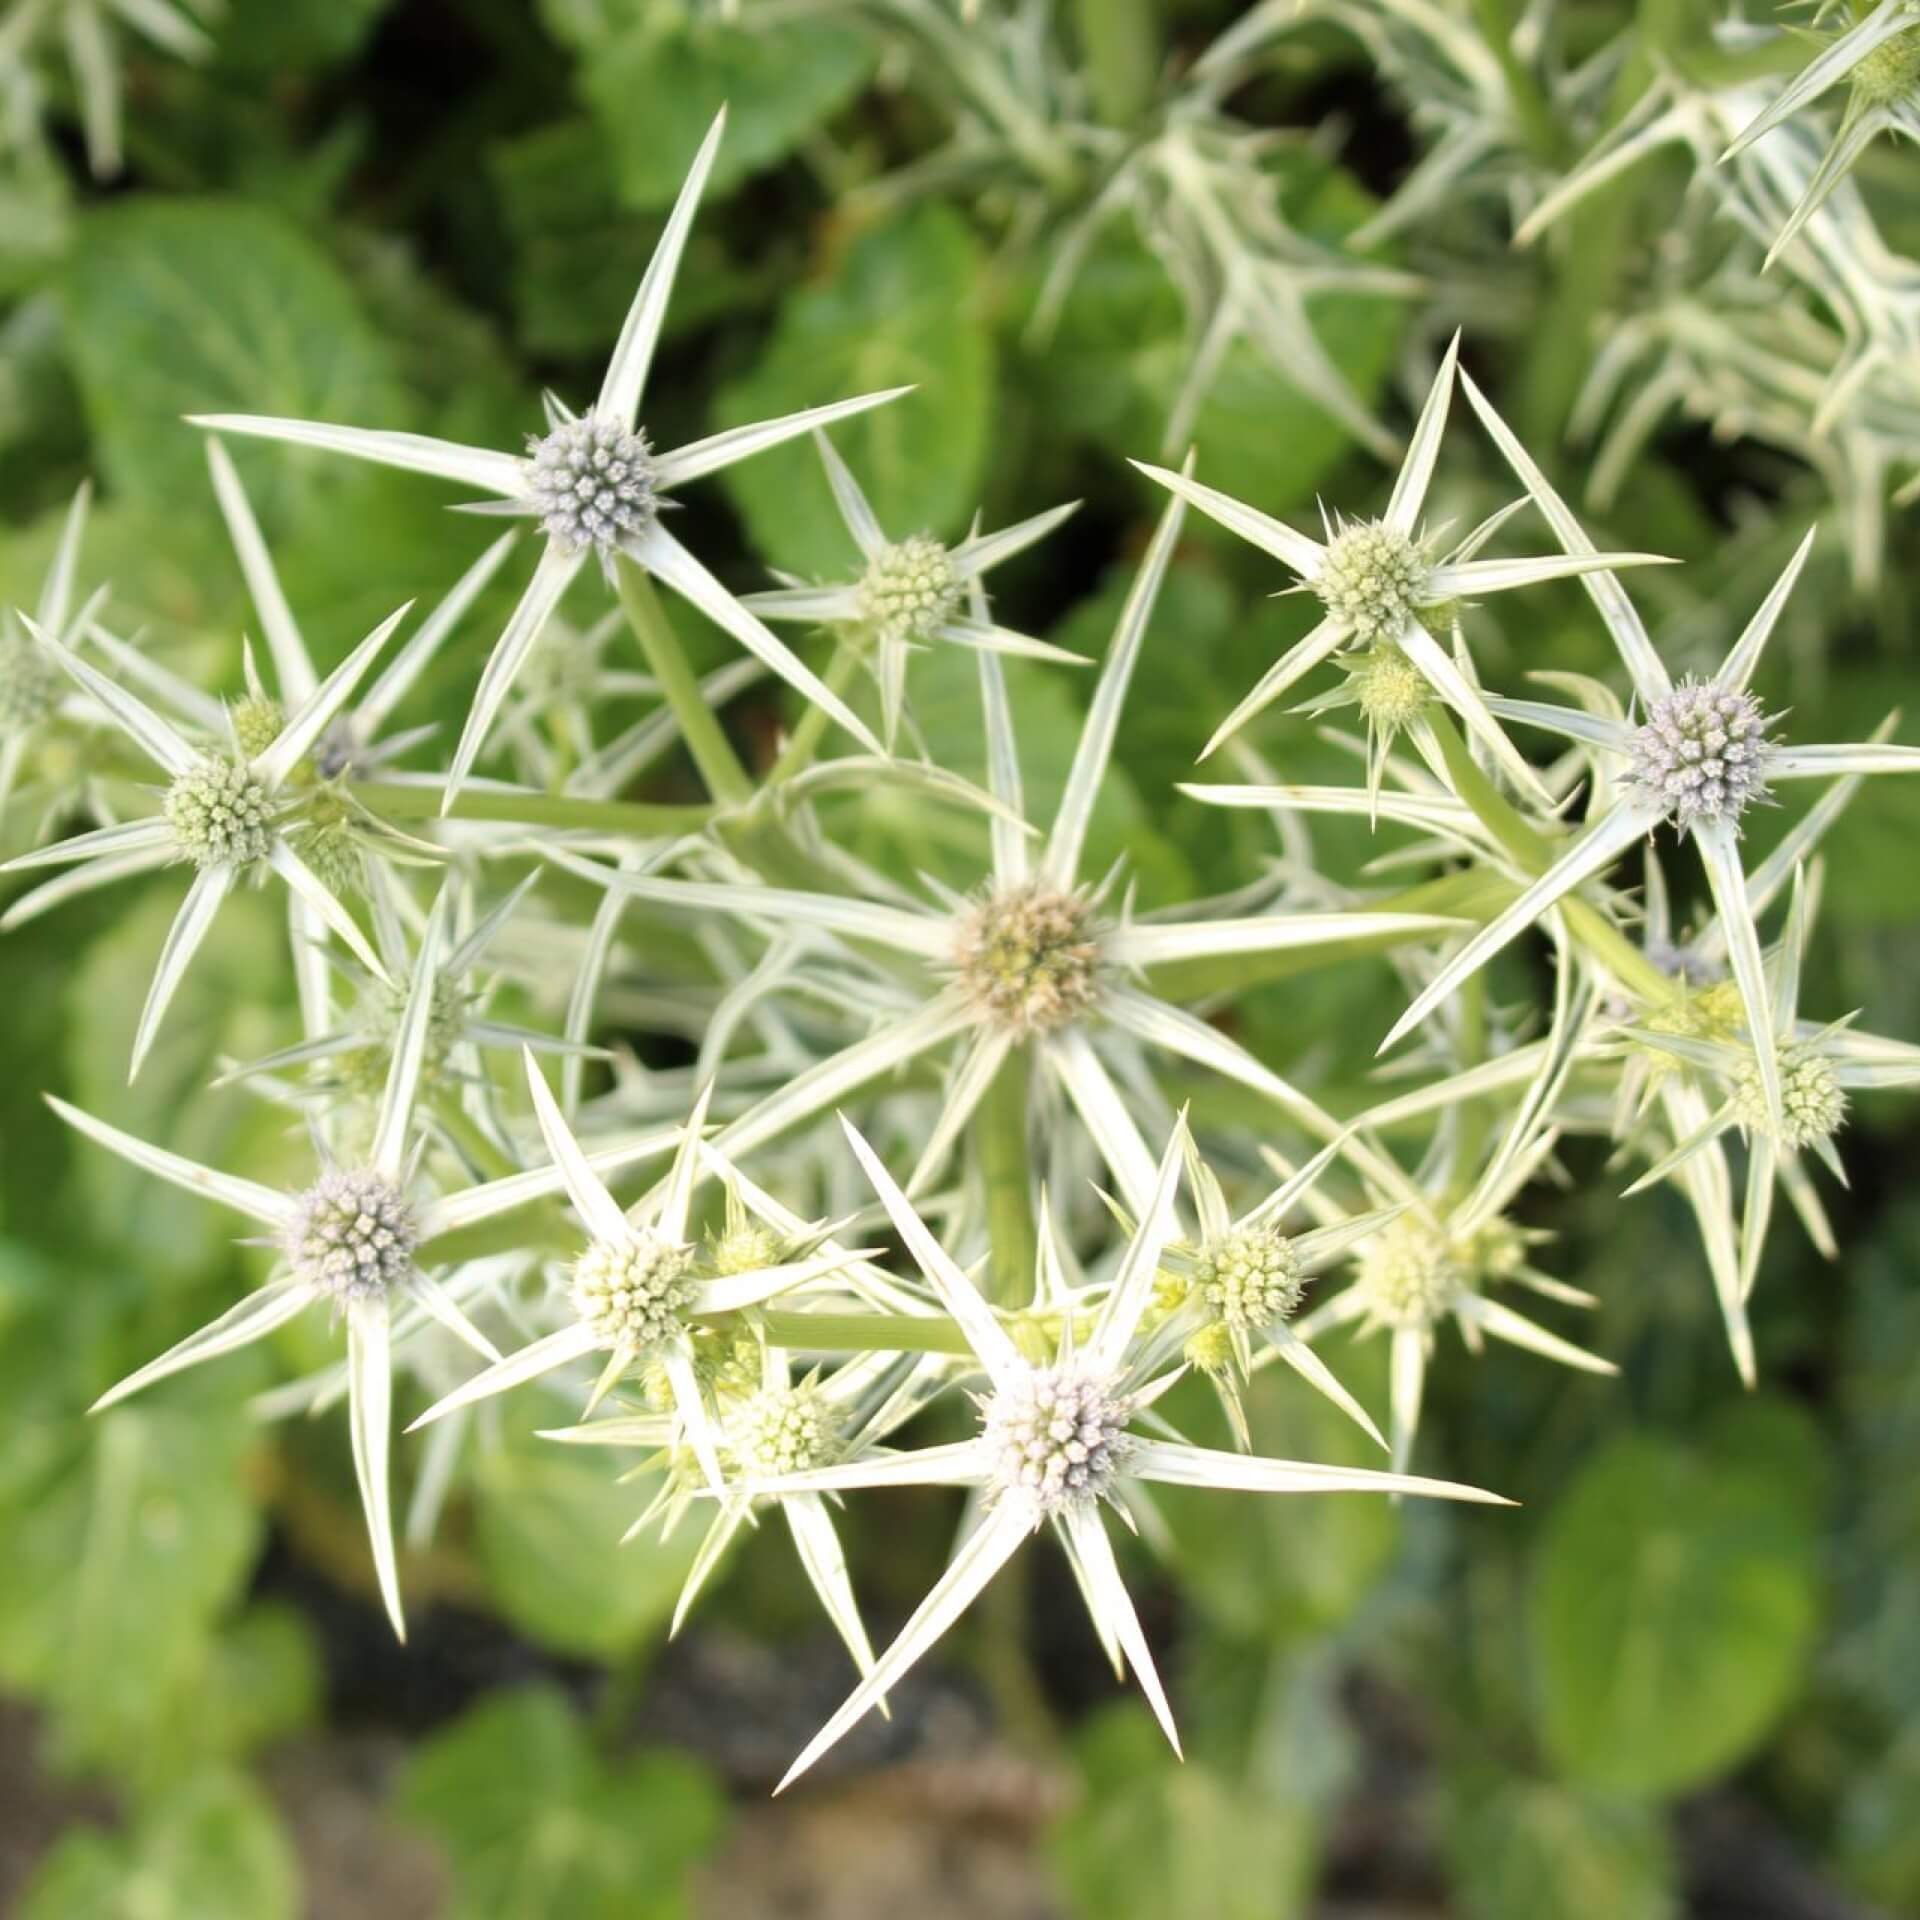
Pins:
x,y
785,1430
1028,958
334,853
910,590
1890,73
1813,1105
1250,1279
745,1246
1495,1251
591,482
30,683
220,814
1056,1436
632,1292
1408,1273
1372,578
1389,687
352,1235
1702,753
1209,1349
256,723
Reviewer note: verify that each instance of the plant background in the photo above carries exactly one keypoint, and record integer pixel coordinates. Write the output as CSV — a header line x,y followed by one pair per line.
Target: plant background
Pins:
x,y
1683,1678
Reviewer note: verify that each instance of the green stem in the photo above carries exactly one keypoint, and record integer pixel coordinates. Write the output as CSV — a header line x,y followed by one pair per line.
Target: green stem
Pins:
x,y
397,803
1533,851
706,739
461,1130
863,1332
804,742
1000,1139
1123,56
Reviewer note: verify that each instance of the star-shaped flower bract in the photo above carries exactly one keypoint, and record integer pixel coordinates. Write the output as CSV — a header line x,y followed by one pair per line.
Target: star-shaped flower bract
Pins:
x,y
912,593
1379,585
597,486
1055,1445
1030,962
225,811
1700,755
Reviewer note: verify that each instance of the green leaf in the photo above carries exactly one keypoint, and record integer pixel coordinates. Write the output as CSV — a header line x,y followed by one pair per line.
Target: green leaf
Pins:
x,y
656,78
534,1822
901,308
212,1850
188,306
1547,1851
1673,1606
121,1556
1152,1838
549,1520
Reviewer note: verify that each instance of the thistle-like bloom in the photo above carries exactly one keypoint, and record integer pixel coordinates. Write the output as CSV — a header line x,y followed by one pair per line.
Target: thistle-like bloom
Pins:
x,y
1818,1067
1032,962
1700,755
87,27
640,1285
1381,588
1878,58
228,811
911,593
1056,1444
353,1242
598,488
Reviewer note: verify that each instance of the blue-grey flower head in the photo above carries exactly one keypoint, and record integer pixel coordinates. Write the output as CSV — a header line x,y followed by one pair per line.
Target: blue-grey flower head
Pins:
x,y
591,481
633,1292
221,813
1372,578
256,723
352,1235
1056,1437
1701,754
910,590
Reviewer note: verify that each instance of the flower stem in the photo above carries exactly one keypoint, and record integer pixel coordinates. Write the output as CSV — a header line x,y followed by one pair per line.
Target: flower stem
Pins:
x,y
727,780
393,802
1000,1139
810,729
863,1332
1123,56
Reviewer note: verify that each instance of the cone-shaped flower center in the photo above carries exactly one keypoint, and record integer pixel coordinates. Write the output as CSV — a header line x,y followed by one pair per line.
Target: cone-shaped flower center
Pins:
x,y
1028,958
1813,1105
1408,1274
1372,578
1389,687
1250,1279
1057,1436
352,1235
633,1292
1702,753
257,721
29,685
591,482
785,1430
220,814
1891,72
911,589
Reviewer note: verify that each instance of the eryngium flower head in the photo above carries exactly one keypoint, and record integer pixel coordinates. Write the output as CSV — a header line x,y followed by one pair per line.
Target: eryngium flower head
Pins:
x,y
1372,578
1057,1436
744,1246
352,1235
1890,72
220,814
1391,690
633,1292
1028,957
1702,752
1812,1104
1250,1279
911,590
591,482
1408,1274
786,1430
256,723
30,683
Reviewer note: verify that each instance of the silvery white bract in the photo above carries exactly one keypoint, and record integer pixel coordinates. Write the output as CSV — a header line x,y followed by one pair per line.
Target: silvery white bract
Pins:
x,y
597,486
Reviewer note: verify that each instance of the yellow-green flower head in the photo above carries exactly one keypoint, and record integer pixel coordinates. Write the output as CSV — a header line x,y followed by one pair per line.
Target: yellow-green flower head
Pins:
x,y
1409,1275
1813,1105
786,1430
744,1246
1889,73
1028,959
1372,578
256,723
220,814
1209,1349
1388,686
1250,1279
30,683
633,1292
911,590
